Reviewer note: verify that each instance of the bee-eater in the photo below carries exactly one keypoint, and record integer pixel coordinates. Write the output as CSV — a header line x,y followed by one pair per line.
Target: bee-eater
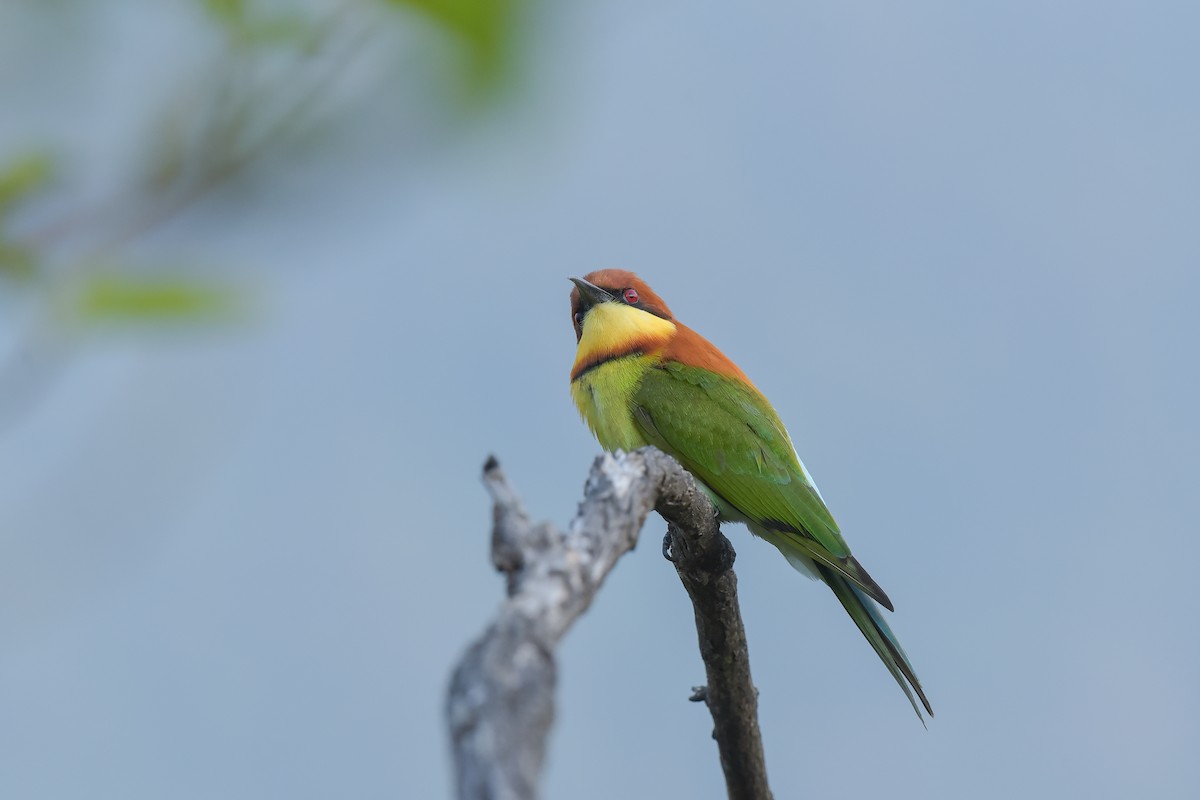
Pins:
x,y
641,377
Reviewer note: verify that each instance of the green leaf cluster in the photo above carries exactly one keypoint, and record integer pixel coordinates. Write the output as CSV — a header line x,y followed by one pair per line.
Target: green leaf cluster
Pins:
x,y
106,297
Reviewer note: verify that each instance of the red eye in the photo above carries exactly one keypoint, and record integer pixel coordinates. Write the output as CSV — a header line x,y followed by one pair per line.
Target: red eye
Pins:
x,y
631,296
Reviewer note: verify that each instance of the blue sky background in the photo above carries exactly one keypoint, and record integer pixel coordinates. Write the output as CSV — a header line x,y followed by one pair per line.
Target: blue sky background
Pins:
x,y
956,244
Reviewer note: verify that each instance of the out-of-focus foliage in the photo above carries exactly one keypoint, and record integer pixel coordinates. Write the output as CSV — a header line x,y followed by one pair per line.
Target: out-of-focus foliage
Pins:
x,y
117,298
250,27
279,79
23,176
485,28
20,179
278,84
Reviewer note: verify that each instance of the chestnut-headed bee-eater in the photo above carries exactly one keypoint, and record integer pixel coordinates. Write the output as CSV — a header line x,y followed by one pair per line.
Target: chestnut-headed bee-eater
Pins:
x,y
642,377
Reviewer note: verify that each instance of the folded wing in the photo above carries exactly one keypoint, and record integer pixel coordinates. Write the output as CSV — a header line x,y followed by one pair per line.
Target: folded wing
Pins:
x,y
726,434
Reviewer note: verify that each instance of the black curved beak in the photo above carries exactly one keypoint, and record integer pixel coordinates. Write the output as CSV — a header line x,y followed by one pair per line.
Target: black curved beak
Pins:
x,y
591,294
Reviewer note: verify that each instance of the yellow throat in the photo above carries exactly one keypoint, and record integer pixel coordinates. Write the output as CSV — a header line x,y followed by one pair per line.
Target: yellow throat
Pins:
x,y
618,345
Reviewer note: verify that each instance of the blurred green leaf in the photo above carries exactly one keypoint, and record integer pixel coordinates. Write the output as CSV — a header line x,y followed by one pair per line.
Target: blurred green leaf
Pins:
x,y
22,177
484,26
113,298
16,262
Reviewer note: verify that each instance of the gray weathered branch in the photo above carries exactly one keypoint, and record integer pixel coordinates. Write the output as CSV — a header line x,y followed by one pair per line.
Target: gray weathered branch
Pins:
x,y
501,699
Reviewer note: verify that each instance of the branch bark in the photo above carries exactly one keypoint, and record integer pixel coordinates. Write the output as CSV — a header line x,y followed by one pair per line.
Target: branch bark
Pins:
x,y
500,705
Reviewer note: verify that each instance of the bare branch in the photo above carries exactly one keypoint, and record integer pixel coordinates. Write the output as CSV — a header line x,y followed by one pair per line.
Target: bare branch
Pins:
x,y
704,558
501,699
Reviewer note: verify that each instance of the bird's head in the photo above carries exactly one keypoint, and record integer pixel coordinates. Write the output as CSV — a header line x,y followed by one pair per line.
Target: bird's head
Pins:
x,y
613,286
614,312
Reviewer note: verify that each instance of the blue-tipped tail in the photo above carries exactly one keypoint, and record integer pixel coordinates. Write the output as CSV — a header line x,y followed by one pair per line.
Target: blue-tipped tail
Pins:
x,y
869,619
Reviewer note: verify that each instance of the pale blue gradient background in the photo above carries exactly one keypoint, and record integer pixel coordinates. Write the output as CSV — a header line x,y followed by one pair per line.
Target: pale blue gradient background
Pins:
x,y
958,245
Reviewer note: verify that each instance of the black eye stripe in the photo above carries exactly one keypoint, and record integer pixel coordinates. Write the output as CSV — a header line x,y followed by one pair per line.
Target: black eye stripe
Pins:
x,y
618,295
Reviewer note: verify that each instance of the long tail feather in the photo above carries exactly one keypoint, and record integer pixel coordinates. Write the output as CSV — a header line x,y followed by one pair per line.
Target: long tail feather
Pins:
x,y
870,621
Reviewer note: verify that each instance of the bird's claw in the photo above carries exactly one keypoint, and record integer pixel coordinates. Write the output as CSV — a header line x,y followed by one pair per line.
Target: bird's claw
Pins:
x,y
666,548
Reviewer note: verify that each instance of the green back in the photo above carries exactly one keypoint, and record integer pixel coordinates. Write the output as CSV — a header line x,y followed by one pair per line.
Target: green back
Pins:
x,y
725,433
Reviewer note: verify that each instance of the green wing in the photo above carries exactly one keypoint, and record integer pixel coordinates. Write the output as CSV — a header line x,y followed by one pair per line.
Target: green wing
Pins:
x,y
727,435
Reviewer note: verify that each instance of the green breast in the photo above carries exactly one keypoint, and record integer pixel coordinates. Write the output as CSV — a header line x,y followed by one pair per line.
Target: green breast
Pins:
x,y
604,396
